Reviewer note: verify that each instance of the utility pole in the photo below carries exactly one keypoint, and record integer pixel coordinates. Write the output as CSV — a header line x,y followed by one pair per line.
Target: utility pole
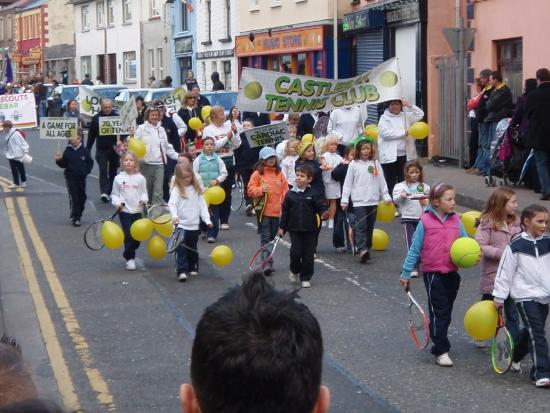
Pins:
x,y
335,28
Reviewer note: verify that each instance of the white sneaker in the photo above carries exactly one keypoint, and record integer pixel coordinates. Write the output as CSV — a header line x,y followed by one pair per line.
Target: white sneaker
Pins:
x,y
104,198
293,277
444,360
544,382
224,226
182,277
24,184
331,223
414,274
480,344
211,240
306,284
515,367
193,273
131,265
12,186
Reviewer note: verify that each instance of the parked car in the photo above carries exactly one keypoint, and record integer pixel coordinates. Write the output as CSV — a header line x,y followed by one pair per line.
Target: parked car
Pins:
x,y
223,98
104,91
124,95
59,97
157,93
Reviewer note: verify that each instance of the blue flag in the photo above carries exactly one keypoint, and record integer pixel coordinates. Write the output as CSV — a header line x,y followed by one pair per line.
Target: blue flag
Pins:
x,y
8,70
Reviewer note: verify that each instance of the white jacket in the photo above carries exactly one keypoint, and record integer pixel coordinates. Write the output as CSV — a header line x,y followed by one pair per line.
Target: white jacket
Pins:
x,y
156,143
15,146
410,208
347,124
130,189
180,124
224,147
189,210
365,184
524,270
392,132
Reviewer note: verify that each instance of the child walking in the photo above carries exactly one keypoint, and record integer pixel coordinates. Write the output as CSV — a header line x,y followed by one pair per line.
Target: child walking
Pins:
x,y
288,164
187,207
299,218
78,164
330,160
341,235
268,179
306,156
130,195
438,228
523,274
365,185
16,148
407,195
499,224
213,172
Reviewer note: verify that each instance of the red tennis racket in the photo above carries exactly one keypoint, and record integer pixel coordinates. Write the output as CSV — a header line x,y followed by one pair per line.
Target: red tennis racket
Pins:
x,y
419,325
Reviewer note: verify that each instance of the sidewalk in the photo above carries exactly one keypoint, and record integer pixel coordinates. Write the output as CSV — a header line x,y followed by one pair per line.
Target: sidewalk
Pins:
x,y
471,191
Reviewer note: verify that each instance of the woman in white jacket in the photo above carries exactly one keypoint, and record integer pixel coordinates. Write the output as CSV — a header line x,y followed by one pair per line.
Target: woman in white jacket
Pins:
x,y
15,149
395,146
153,135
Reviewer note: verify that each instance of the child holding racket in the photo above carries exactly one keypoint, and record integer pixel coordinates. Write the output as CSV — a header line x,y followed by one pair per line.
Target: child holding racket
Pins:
x,y
130,195
409,197
523,274
330,160
344,219
364,184
268,179
187,208
299,219
438,228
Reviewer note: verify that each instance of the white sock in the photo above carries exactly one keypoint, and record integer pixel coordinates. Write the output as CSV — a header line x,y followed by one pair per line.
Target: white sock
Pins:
x,y
331,223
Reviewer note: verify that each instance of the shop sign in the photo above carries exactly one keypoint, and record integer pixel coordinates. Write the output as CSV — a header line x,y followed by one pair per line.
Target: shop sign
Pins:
x,y
364,19
183,45
289,41
215,53
409,12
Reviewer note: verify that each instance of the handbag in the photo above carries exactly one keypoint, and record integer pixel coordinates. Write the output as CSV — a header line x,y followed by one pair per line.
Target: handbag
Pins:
x,y
26,159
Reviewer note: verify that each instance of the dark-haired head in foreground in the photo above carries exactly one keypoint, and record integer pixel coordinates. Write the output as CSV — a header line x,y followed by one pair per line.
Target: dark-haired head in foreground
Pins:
x,y
16,382
256,350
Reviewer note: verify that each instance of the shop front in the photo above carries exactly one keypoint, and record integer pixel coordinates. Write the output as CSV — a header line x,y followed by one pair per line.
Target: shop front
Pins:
x,y
183,47
28,61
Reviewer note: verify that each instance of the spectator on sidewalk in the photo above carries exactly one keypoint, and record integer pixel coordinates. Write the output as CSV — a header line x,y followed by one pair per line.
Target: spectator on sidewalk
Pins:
x,y
216,82
87,81
473,144
269,361
538,113
482,158
190,81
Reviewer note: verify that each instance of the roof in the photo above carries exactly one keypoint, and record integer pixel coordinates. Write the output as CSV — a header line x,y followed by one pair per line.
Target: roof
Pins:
x,y
31,5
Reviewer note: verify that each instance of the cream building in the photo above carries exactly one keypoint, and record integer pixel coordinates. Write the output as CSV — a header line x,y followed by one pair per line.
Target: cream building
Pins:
x,y
59,52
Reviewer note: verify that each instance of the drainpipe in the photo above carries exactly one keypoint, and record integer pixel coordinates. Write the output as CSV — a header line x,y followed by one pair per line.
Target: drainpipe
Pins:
x,y
335,29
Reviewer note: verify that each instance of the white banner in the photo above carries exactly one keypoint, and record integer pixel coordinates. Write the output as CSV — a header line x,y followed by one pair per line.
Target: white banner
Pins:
x,y
173,100
58,128
112,125
128,113
275,92
20,109
266,135
89,101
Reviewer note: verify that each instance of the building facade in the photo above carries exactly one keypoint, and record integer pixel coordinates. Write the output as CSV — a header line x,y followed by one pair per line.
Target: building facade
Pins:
x,y
184,17
217,27
7,32
59,54
156,40
31,35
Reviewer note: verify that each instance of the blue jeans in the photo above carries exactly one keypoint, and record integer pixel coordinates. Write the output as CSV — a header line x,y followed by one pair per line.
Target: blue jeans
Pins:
x,y
215,218
187,260
543,168
487,133
130,244
483,135
268,230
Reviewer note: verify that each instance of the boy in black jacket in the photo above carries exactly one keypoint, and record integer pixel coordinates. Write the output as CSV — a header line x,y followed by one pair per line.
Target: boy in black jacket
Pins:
x,y
78,163
299,217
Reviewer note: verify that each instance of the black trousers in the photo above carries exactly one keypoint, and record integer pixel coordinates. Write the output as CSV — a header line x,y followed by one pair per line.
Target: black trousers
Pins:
x,y
302,250
77,195
473,142
130,244
364,227
225,206
186,259
393,172
17,171
107,162
168,173
246,173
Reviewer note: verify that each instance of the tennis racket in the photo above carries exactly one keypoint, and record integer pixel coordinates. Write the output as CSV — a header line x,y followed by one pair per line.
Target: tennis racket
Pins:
x,y
175,240
502,347
321,127
92,235
159,214
351,235
419,326
261,258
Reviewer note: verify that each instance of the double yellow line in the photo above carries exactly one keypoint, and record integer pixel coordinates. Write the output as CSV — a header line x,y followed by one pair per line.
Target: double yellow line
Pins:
x,y
51,341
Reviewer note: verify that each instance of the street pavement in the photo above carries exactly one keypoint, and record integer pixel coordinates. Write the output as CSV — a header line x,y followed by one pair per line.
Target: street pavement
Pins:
x,y
101,338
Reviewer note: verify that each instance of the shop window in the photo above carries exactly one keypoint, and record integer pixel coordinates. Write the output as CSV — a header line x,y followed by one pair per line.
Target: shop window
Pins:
x,y
100,14
85,17
510,64
130,66
302,64
227,74
110,13
126,11
185,64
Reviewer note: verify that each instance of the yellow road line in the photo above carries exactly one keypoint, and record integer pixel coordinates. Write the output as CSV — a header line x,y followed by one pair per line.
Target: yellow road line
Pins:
x,y
97,382
58,364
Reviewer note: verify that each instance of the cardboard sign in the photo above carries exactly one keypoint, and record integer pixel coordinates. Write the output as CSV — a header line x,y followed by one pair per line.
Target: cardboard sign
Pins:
x,y
266,135
20,109
112,125
274,92
173,100
128,113
58,128
89,101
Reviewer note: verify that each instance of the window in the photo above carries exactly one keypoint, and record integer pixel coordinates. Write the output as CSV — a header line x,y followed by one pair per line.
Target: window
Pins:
x,y
100,14
155,8
228,20
37,17
227,74
130,65
275,3
85,66
8,23
208,22
151,53
126,11
1,29
110,13
254,5
160,64
184,18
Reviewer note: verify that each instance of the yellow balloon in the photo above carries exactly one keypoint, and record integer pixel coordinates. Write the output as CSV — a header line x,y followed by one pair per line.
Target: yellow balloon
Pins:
x,y
137,147
465,252
308,137
469,220
371,131
385,213
195,124
318,220
164,226
222,255
112,235
205,111
419,130
214,195
141,229
380,240
480,321
156,248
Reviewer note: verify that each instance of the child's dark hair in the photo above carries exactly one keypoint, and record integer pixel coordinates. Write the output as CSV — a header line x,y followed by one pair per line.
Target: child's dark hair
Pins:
x,y
208,137
413,164
305,169
249,120
437,191
260,167
530,211
360,145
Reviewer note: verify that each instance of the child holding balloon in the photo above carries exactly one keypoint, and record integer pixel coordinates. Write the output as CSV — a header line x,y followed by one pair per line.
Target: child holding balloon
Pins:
x,y
187,207
130,195
438,228
523,274
364,185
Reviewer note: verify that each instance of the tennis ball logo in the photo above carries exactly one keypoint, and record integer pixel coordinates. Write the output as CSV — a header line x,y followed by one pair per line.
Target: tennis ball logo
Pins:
x,y
388,79
253,90
86,105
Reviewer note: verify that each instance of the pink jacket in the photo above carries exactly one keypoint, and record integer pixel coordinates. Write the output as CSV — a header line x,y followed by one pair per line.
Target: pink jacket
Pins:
x,y
439,235
492,244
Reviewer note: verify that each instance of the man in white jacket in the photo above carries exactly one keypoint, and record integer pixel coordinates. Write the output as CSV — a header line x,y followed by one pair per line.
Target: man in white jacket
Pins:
x,y
15,150
347,124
